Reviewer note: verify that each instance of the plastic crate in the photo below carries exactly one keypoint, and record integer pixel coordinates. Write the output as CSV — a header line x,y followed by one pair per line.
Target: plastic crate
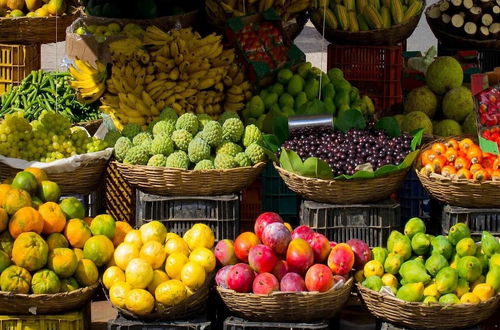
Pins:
x,y
370,222
121,323
478,220
251,202
178,214
16,62
277,197
79,320
390,326
235,323
414,199
119,196
375,70
488,59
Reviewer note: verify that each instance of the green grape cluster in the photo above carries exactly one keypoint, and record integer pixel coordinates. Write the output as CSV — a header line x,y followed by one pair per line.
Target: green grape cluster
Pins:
x,y
46,139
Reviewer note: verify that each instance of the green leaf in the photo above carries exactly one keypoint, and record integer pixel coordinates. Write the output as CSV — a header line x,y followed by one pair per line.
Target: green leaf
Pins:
x,y
316,168
386,169
285,162
417,138
270,144
409,159
488,146
389,125
280,128
362,175
350,119
296,161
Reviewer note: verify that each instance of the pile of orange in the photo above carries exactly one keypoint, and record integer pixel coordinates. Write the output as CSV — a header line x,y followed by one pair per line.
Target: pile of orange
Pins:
x,y
461,160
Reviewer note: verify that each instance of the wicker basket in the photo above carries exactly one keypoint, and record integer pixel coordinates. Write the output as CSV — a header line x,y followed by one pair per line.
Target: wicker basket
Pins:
x,y
419,316
91,126
354,191
287,306
380,37
458,41
28,304
179,182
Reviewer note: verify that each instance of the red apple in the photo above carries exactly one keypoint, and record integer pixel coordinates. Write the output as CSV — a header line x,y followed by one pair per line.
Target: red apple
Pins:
x,y
341,259
277,237
292,282
320,246
243,243
299,256
224,253
265,283
240,278
302,231
263,220
319,278
280,269
221,276
262,259
362,253
332,244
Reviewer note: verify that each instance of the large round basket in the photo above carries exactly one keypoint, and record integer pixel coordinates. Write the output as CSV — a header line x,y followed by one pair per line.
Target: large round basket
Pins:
x,y
179,182
287,306
379,37
458,41
27,304
419,316
353,191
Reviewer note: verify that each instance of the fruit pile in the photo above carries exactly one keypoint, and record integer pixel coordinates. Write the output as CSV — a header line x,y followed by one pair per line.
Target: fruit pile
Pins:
x,y
101,32
190,142
365,15
419,267
152,267
88,81
297,93
47,245
460,160
444,91
46,139
33,8
344,152
489,107
275,258
179,69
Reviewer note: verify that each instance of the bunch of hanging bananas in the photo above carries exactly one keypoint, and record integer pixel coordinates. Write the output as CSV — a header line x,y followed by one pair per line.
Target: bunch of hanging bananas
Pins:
x,y
89,81
179,69
218,11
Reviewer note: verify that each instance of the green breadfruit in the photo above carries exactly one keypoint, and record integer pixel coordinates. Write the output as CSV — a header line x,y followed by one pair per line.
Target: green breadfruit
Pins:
x,y
252,134
458,103
137,155
161,145
421,99
229,148
169,114
223,161
416,120
203,119
122,146
444,74
212,133
178,159
165,128
205,164
131,130
189,122
157,160
226,115
469,126
243,160
447,127
198,150
256,153
232,130
141,137
181,139
111,137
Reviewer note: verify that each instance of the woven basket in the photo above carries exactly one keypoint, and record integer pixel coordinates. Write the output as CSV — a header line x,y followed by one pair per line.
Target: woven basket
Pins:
x,y
380,37
287,306
353,191
179,182
458,41
28,304
91,126
420,316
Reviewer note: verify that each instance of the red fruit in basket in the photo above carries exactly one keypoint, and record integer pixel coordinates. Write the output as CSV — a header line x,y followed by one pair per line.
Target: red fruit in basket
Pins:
x,y
303,232
240,278
320,246
299,256
280,270
243,243
262,258
221,276
224,253
439,148
341,259
263,220
362,253
332,244
292,282
319,278
277,237
265,283
462,163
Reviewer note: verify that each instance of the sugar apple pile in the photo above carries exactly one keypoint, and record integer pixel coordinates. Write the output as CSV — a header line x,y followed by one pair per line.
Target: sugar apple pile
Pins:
x,y
194,142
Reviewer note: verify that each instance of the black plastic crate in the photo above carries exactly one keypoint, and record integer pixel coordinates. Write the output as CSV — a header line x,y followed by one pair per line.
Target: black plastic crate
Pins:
x,y
478,220
390,326
488,59
178,214
121,323
370,222
414,200
235,323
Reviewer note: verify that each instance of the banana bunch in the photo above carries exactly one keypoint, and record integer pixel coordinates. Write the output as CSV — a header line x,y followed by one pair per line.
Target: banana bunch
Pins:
x,y
218,11
89,82
179,69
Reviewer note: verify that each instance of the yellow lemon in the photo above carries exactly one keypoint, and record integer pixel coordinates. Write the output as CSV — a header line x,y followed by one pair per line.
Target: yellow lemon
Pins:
x,y
78,253
176,244
359,276
41,12
154,253
483,291
118,292
469,298
112,275
86,272
139,273
193,275
480,280
200,235
204,257
153,231
462,287
124,253
159,277
431,290
139,301
174,264
390,280
373,267
171,293
30,14
134,237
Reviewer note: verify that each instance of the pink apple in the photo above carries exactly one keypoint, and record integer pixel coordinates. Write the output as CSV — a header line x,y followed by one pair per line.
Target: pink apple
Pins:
x,y
362,253
292,282
263,220
224,253
262,258
302,231
221,276
320,246
240,278
265,283
277,237
299,256
332,244
319,278
280,269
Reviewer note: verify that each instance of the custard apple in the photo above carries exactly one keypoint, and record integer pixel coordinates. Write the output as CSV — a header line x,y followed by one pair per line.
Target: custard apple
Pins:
x,y
198,150
165,128
226,115
137,155
232,130
178,159
181,139
122,146
158,161
189,122
229,148
131,130
141,137
203,119
256,153
205,164
161,145
223,161
169,114
252,134
243,160
212,133
111,137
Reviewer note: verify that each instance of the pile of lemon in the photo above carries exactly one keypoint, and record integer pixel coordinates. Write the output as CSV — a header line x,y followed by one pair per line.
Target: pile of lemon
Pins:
x,y
152,266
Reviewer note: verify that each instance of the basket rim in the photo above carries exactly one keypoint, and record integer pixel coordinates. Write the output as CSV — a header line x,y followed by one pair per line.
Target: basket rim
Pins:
x,y
183,171
48,295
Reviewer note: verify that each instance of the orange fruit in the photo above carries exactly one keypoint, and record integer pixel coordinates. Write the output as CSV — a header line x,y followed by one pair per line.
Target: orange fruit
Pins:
x,y
4,189
38,173
122,229
118,292
69,284
72,208
139,301
193,275
77,232
153,231
88,220
24,220
45,281
4,220
176,244
57,240
200,235
124,253
174,264
15,279
139,273
159,277
15,200
78,253
54,219
171,293
203,257
6,243
134,237
99,249
25,181
103,224
112,275
154,253
49,191
63,262
86,273
30,251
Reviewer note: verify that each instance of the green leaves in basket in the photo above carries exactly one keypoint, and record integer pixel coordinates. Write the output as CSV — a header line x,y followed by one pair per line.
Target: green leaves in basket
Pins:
x,y
312,167
350,119
272,142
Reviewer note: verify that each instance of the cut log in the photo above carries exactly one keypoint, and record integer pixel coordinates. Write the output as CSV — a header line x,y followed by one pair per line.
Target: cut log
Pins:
x,y
444,6
457,21
495,10
468,4
470,29
487,19
495,31
475,14
484,32
446,19
435,12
